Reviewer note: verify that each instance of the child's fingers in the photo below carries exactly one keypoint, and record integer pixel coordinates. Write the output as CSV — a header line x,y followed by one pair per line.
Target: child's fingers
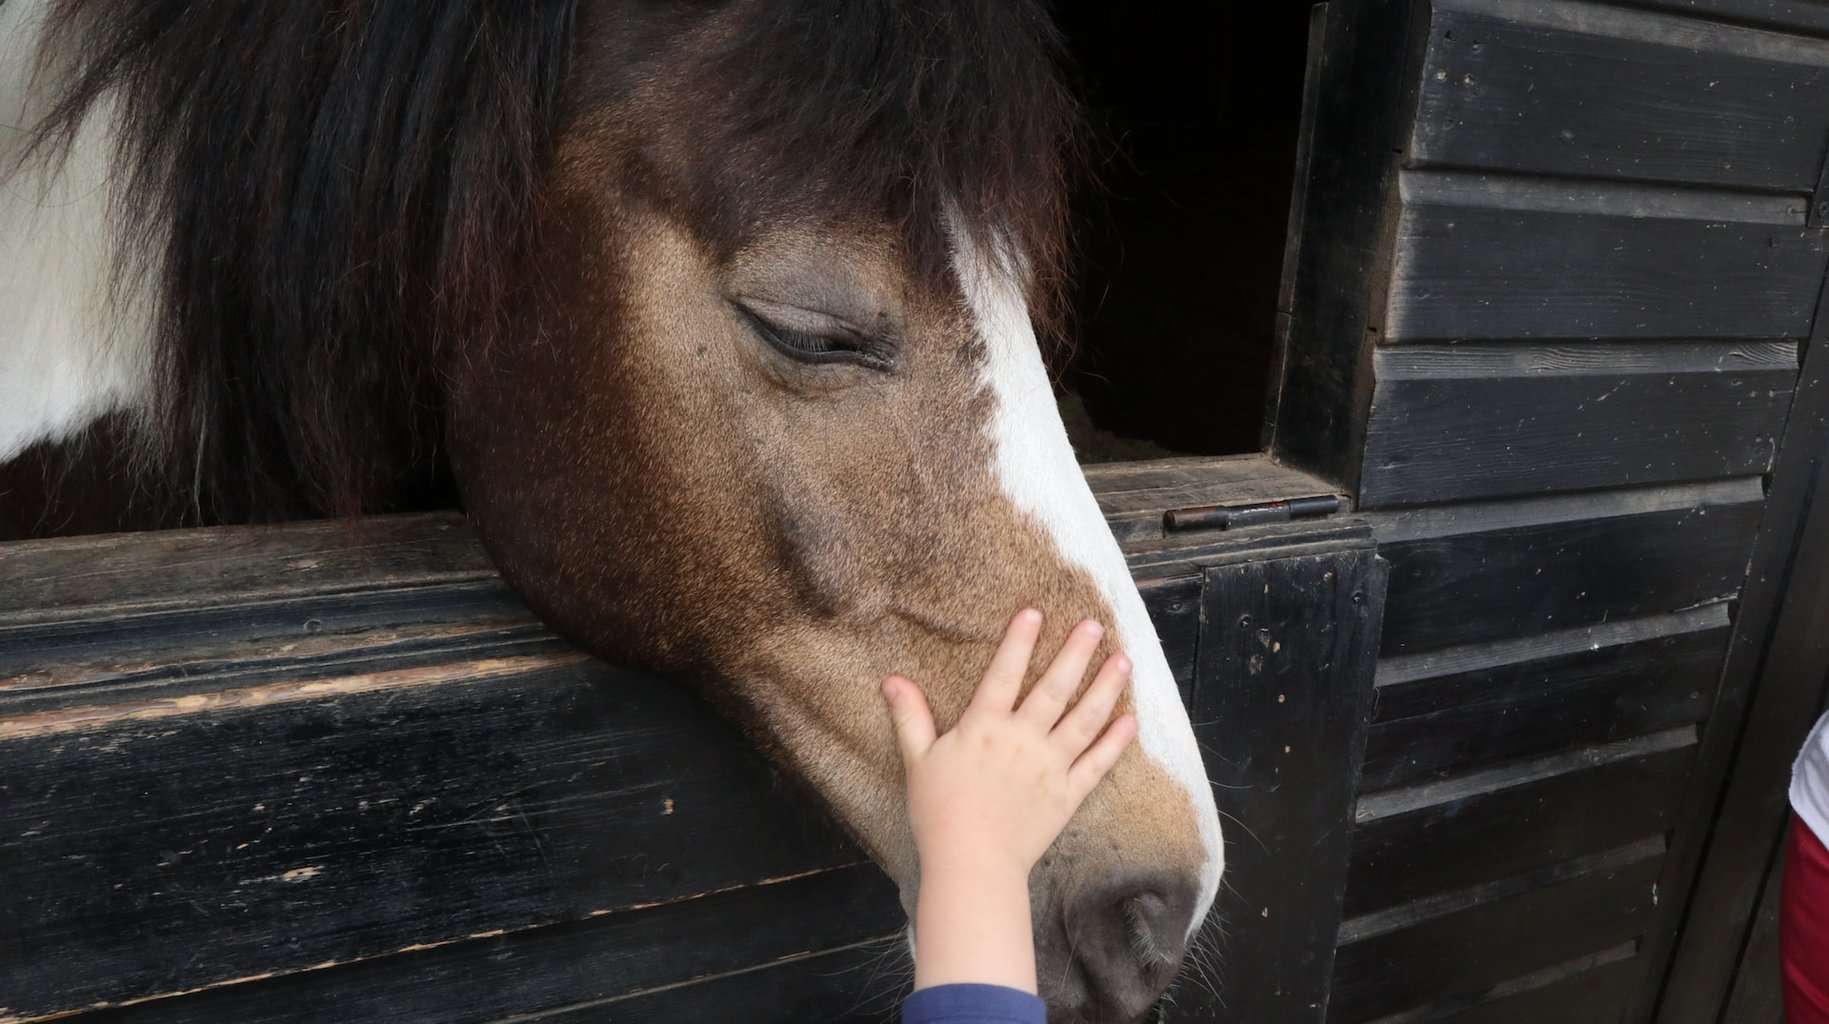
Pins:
x,y
1080,726
1003,680
914,722
1098,758
1042,707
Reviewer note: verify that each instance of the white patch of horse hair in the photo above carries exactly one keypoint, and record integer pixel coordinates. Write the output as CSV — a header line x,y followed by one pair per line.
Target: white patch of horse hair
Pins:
x,y
74,343
1038,472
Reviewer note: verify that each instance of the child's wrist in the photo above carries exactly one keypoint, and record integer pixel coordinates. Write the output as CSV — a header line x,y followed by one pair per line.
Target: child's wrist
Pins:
x,y
987,867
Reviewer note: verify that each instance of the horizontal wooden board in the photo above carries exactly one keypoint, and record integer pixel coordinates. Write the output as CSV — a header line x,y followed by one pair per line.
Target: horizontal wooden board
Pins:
x,y
844,986
1476,573
103,578
1454,422
1583,90
1583,992
1809,17
157,846
1459,958
1430,728
1134,495
597,963
1424,840
1486,257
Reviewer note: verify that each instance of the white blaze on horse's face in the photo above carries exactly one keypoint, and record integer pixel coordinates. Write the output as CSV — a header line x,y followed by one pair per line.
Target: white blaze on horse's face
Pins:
x,y
1038,472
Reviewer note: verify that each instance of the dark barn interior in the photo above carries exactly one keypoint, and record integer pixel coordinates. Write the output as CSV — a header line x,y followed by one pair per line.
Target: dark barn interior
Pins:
x,y
1194,114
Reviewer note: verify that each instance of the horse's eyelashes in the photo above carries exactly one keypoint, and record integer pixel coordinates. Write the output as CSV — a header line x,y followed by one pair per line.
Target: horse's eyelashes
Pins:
x,y
837,346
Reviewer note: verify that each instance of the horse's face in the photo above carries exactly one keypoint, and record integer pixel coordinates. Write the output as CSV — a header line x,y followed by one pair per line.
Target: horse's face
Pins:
x,y
757,442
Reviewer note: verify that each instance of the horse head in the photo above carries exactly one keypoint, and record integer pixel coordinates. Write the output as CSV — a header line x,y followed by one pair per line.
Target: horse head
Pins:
x,y
725,315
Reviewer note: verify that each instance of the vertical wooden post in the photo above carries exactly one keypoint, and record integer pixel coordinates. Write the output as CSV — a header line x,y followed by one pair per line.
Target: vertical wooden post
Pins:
x,y
1282,692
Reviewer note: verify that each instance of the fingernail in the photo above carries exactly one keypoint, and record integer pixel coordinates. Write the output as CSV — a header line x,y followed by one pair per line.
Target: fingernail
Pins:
x,y
889,688
1029,615
1092,627
1123,665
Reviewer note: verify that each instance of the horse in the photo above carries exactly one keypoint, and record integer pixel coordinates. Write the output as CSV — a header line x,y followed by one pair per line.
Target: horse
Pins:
x,y
720,319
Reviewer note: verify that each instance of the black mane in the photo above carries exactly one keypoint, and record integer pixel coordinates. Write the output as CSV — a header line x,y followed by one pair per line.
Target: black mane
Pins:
x,y
334,192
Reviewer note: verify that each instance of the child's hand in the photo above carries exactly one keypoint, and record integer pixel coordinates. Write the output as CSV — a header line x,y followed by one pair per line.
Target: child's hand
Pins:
x,y
988,798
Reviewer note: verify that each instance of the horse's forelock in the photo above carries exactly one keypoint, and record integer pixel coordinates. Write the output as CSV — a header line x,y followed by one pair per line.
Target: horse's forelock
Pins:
x,y
335,192
944,115
332,192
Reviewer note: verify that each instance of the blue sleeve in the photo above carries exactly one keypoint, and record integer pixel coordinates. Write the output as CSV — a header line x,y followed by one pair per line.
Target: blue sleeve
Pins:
x,y
973,1004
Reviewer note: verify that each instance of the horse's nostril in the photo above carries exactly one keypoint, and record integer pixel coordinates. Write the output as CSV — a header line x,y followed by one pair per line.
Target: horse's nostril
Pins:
x,y
1129,937
1148,917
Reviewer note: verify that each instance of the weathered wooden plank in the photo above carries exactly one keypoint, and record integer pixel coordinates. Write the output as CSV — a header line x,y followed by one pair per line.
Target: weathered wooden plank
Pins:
x,y
153,846
1290,650
1790,16
1476,573
1449,423
1134,495
837,986
106,577
597,964
1415,842
1582,90
1458,958
1488,257
197,648
1766,690
1433,727
1362,103
1589,988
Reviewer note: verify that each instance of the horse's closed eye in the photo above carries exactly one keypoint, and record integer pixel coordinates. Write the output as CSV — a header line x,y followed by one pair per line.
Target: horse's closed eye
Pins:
x,y
838,344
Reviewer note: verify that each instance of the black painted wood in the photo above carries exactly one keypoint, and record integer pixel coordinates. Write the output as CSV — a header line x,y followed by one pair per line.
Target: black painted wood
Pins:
x,y
1489,257
1757,996
599,968
1425,840
1591,91
1804,17
1450,423
843,986
1458,958
161,844
1361,95
114,575
1481,573
1764,694
1290,648
1426,729
1594,987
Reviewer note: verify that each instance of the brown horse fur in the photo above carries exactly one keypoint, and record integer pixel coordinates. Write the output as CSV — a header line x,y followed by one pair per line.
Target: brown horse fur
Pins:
x,y
555,252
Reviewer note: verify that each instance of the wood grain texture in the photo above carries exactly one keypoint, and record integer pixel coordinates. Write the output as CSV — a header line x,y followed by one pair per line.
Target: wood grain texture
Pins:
x,y
1432,728
1582,90
1449,423
1459,958
1508,258
1427,840
1361,97
1524,577
1770,689
1290,648
116,575
594,966
1134,495
150,856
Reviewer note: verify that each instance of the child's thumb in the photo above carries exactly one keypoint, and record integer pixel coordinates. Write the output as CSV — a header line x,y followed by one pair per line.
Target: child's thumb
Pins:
x,y
914,723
